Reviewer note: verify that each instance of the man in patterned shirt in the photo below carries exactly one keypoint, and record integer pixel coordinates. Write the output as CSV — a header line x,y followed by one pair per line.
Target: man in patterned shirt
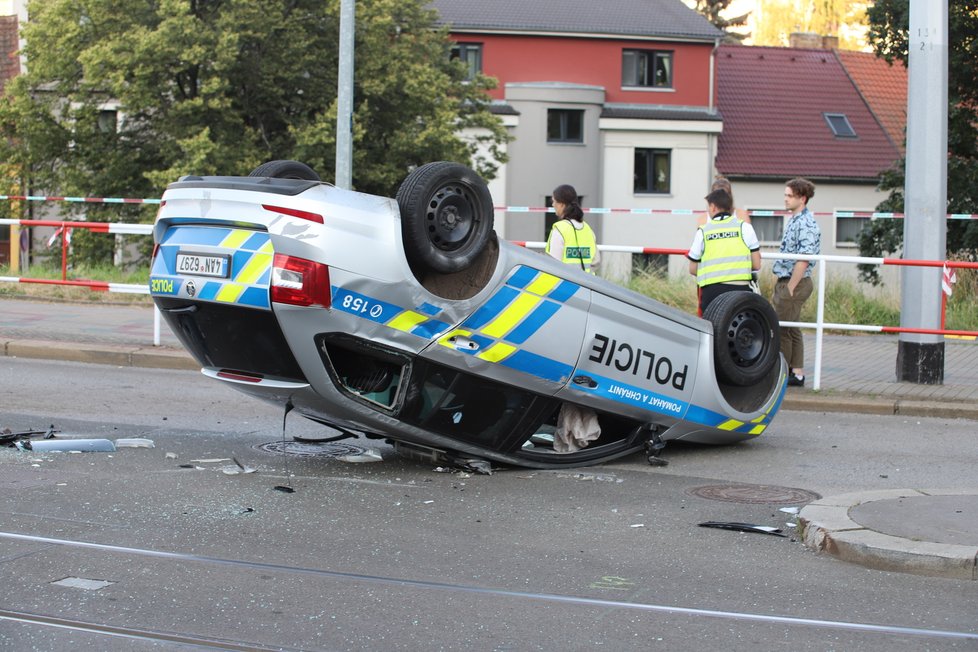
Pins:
x,y
794,284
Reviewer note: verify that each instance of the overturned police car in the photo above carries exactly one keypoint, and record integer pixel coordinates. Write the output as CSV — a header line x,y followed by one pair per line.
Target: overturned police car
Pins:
x,y
407,319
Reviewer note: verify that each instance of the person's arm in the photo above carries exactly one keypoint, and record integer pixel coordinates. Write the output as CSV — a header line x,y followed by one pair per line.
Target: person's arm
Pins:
x,y
809,242
750,239
696,252
556,244
797,273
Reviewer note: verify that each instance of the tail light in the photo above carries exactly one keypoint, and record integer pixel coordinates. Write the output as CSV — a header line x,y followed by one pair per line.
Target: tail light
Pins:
x,y
300,282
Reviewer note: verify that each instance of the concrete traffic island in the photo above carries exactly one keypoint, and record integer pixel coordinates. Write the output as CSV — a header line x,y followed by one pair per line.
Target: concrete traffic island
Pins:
x,y
921,531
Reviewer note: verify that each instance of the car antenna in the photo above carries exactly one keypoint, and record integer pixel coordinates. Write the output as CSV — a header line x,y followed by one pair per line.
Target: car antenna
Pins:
x,y
286,488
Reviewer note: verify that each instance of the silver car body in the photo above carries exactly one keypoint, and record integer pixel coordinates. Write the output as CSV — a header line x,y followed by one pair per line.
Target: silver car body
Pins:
x,y
537,334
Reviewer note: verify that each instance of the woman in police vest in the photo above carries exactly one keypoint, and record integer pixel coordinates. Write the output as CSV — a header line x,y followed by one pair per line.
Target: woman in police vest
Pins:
x,y
571,240
724,252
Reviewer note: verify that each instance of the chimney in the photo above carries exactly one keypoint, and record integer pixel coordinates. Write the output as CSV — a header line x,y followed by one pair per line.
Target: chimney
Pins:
x,y
830,42
808,40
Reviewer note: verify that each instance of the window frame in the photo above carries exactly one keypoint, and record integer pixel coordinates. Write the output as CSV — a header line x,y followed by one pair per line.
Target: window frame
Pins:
x,y
650,168
648,61
463,51
564,128
777,218
839,131
860,221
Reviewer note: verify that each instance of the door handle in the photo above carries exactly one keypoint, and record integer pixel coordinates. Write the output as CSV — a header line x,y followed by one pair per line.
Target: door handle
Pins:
x,y
586,381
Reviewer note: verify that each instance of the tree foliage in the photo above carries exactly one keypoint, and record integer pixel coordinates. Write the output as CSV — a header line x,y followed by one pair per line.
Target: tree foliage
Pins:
x,y
220,86
889,36
775,20
713,10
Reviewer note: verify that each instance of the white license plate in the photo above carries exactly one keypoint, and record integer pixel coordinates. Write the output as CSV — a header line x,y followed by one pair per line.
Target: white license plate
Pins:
x,y
202,265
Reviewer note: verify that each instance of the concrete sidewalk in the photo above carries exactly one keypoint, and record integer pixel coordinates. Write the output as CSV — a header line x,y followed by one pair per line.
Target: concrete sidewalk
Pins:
x,y
910,530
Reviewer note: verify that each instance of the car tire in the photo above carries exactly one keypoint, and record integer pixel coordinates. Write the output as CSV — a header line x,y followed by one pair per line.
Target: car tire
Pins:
x,y
446,216
746,337
285,169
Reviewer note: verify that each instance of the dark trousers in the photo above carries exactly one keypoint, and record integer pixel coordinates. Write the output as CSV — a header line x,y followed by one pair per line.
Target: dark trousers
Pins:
x,y
788,306
710,292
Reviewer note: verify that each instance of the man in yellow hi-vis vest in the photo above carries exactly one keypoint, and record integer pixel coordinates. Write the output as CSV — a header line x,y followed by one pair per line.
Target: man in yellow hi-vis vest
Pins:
x,y
725,251
571,239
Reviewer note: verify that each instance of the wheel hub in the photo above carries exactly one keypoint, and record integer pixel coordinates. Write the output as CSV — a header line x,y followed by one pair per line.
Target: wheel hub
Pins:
x,y
745,338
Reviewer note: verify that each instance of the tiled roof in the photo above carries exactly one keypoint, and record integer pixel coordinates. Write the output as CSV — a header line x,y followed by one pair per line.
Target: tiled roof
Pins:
x,y
773,102
639,18
883,86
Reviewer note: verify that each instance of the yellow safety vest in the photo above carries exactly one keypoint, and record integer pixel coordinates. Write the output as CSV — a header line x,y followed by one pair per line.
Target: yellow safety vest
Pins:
x,y
579,245
726,256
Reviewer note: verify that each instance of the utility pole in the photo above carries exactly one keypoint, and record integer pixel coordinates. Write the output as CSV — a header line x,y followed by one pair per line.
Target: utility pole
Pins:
x,y
920,358
344,98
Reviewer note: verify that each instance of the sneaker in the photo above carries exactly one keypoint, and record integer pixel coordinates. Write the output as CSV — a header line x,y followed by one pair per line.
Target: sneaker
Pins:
x,y
794,380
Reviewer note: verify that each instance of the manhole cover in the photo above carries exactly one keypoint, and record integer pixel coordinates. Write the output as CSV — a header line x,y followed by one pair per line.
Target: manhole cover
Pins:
x,y
310,449
765,494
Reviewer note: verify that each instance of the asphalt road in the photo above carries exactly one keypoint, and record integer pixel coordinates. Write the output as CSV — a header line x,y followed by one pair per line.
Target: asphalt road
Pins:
x,y
393,555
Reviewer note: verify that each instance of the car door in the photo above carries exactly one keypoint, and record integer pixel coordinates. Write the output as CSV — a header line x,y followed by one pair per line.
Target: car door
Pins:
x,y
639,358
527,332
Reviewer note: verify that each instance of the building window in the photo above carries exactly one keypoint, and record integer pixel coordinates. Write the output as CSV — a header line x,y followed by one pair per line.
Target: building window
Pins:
x,y
769,228
839,124
646,68
108,121
847,228
471,55
565,126
652,170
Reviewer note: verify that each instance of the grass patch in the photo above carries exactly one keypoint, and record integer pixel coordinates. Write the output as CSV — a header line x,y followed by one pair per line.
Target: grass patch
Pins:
x,y
103,273
845,301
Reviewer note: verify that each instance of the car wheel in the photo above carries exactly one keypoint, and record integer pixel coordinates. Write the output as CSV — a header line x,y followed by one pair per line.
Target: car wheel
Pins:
x,y
285,170
746,337
446,216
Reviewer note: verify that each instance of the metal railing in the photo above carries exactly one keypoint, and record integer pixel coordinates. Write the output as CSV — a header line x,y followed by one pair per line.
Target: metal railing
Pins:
x,y
63,228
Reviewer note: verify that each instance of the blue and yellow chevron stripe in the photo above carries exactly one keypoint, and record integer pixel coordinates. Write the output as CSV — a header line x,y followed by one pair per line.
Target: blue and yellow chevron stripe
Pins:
x,y
250,267
527,300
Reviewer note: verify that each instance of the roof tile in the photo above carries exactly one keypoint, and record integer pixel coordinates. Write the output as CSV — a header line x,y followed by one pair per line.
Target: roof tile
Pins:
x,y
884,87
773,102
642,18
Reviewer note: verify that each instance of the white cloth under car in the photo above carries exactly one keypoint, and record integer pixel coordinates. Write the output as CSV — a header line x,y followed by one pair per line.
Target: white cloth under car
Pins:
x,y
576,426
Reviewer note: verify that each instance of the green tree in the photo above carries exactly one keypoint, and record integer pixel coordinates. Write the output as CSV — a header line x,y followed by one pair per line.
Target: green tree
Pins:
x,y
713,10
775,20
219,86
888,34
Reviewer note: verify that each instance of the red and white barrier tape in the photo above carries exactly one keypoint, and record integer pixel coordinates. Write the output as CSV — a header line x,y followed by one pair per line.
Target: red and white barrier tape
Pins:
x,y
519,209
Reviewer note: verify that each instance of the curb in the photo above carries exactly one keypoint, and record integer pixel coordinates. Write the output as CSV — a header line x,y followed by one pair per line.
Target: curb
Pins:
x,y
110,354
164,357
825,526
882,406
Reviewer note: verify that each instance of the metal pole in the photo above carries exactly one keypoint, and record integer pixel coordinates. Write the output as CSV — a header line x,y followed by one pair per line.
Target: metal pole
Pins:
x,y
920,358
344,98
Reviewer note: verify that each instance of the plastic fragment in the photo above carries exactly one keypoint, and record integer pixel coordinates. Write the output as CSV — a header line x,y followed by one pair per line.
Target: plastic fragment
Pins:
x,y
789,510
368,455
637,525
213,460
134,442
68,445
744,527
170,456
284,489
238,468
